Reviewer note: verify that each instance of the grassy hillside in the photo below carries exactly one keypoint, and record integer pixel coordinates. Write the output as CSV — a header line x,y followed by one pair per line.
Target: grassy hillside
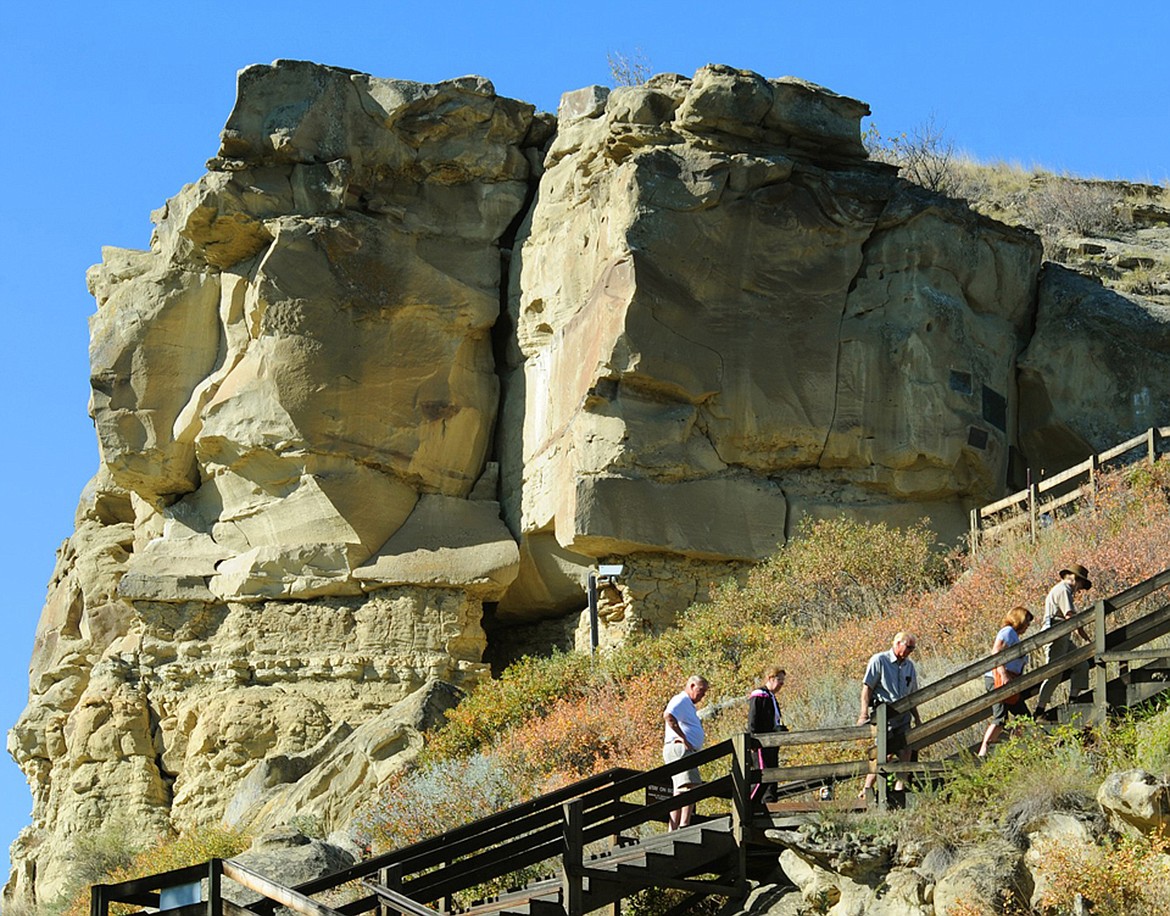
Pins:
x,y
820,607
1115,231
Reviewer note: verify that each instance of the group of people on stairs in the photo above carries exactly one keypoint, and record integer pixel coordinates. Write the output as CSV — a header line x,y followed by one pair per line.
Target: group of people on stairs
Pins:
x,y
889,676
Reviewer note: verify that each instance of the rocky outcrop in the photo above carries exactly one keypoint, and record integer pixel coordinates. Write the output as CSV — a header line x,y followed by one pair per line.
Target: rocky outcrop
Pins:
x,y
837,868
726,319
1095,371
288,857
409,360
1136,801
295,524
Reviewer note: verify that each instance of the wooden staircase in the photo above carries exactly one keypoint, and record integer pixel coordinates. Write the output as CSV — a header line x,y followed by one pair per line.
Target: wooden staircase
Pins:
x,y
602,836
661,860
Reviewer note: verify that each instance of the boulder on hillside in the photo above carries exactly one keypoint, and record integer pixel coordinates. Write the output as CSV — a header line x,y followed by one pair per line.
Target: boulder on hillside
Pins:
x,y
1135,800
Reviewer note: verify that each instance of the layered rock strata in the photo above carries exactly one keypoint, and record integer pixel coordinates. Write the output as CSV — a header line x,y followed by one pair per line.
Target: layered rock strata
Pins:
x,y
726,320
410,360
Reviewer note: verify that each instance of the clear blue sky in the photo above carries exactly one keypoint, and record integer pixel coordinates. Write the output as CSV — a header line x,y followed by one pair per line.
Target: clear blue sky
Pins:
x,y
109,108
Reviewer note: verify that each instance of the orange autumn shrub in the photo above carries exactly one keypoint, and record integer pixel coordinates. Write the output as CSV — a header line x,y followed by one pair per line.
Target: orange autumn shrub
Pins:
x,y
615,725
820,607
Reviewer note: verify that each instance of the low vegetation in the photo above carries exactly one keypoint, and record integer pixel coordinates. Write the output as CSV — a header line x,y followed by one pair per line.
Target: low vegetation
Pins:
x,y
819,607
115,854
1115,231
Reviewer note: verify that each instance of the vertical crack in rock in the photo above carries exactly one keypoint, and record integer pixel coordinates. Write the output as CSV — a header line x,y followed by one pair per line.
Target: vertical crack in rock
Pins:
x,y
862,267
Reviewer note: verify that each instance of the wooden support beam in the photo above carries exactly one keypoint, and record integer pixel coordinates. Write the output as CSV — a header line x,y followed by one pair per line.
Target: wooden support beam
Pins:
x,y
848,770
214,893
741,804
815,736
572,858
285,896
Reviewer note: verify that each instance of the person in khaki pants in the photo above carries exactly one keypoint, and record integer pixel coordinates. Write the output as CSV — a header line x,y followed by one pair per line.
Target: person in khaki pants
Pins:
x,y
1061,605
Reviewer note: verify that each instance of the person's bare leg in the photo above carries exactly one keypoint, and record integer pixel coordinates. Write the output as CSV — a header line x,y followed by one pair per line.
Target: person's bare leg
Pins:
x,y
685,812
904,756
989,737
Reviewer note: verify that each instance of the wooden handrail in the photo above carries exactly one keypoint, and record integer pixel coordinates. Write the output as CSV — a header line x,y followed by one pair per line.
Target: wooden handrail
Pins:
x,y
1154,439
469,836
1110,640
595,808
254,881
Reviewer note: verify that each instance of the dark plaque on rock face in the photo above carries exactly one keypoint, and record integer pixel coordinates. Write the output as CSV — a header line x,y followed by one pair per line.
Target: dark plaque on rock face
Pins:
x,y
961,381
995,409
976,437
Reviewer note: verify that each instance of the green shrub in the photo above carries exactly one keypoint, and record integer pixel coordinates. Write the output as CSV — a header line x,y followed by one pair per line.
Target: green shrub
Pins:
x,y
1026,776
164,854
527,688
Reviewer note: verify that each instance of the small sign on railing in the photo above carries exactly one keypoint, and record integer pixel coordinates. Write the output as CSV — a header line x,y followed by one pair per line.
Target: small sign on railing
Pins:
x,y
171,898
659,792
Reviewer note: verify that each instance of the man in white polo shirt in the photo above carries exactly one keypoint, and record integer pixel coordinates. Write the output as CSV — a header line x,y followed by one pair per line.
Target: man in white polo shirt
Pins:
x,y
683,735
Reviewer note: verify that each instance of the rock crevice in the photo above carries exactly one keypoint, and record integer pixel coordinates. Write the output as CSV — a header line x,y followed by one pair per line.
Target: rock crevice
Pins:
x,y
409,351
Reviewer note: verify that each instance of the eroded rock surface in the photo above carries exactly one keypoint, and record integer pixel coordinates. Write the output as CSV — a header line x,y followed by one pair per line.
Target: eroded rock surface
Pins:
x,y
1096,371
412,358
726,319
294,394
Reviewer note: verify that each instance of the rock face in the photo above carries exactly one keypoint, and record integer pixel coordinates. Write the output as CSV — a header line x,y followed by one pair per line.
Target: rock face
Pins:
x,y
409,360
294,394
1087,372
726,319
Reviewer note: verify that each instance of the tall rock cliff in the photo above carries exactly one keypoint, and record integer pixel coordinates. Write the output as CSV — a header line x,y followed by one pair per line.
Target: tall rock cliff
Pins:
x,y
409,360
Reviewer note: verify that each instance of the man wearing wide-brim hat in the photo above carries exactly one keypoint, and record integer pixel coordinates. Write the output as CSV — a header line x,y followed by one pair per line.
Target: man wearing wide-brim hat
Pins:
x,y
1058,606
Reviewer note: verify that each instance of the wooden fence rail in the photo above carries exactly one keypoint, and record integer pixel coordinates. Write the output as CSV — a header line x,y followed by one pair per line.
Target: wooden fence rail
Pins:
x,y
560,825
1114,641
1028,508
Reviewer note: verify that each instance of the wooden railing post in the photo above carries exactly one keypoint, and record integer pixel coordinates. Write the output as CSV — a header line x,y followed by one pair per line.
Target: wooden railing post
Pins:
x,y
1152,443
976,524
1033,501
99,903
573,858
214,895
1100,670
741,801
883,741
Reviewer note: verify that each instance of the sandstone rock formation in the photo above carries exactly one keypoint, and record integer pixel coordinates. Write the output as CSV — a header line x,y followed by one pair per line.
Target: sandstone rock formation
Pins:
x,y
1087,373
294,396
725,319
410,359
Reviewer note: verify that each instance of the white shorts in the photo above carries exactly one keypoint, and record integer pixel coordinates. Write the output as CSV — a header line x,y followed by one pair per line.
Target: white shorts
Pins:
x,y
676,750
